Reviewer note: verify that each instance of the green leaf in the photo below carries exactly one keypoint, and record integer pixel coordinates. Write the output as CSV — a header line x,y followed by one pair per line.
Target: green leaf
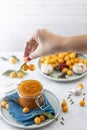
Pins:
x,y
6,73
15,58
4,58
22,66
48,115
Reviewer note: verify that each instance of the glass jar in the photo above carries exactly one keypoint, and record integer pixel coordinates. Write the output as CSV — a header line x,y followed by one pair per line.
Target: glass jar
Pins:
x,y
30,94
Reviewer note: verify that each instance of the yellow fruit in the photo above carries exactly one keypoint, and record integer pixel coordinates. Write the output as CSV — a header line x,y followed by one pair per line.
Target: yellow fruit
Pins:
x,y
52,61
61,55
25,110
67,58
68,63
55,59
3,104
13,74
20,74
71,67
65,109
42,59
42,117
60,60
64,103
80,60
37,120
82,103
31,67
72,55
25,67
64,70
69,72
53,65
13,60
80,85
73,61
47,61
76,60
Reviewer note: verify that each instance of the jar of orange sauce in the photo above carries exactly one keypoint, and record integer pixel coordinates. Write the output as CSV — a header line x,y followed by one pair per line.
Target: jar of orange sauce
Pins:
x,y
30,94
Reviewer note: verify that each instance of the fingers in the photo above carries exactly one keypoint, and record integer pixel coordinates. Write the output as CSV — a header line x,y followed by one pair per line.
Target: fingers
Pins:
x,y
26,50
40,51
35,54
34,46
29,47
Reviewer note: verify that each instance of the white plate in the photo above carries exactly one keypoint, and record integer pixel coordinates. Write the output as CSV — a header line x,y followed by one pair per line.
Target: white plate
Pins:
x,y
55,74
53,101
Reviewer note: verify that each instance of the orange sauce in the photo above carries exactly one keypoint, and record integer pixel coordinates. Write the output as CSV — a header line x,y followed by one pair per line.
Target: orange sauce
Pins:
x,y
29,87
28,91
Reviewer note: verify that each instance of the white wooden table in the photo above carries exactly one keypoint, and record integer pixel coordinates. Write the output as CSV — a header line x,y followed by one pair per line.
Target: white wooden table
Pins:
x,y
75,119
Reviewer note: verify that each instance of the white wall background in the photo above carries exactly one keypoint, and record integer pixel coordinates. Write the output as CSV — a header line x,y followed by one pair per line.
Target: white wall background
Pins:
x,y
20,18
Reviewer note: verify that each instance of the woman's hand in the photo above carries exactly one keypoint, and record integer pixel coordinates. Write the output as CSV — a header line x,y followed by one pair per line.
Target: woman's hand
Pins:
x,y
42,43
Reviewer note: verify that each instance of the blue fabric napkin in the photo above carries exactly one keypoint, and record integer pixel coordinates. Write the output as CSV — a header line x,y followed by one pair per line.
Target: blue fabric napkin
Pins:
x,y
27,119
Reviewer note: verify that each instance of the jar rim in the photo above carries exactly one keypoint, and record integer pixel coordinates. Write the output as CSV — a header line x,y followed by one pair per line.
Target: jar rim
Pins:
x,y
27,95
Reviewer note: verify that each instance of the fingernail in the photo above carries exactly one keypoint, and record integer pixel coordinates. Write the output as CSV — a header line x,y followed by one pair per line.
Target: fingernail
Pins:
x,y
28,59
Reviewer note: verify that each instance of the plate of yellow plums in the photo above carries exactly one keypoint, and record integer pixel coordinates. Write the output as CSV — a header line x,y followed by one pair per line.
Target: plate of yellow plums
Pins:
x,y
65,66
